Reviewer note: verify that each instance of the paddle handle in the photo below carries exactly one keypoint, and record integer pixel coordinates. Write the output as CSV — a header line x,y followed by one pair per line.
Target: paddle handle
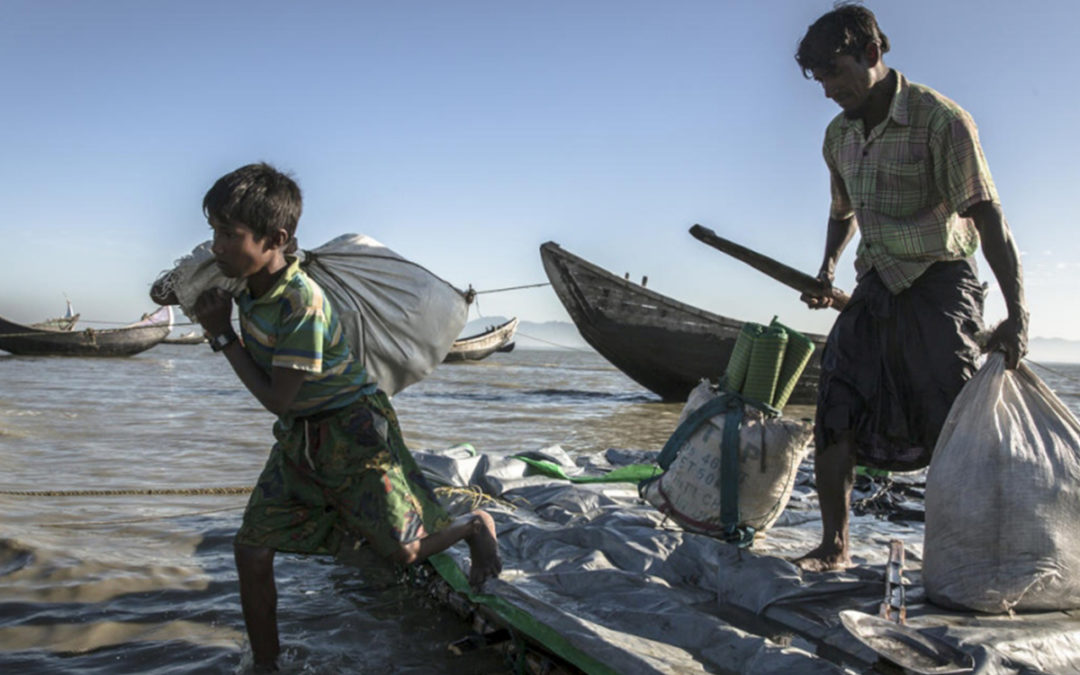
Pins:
x,y
789,276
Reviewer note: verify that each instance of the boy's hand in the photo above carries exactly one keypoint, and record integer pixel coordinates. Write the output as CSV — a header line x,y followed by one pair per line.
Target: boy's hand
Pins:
x,y
213,310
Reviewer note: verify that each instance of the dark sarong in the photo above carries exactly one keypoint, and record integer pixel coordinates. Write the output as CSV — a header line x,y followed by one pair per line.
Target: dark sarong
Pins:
x,y
343,472
893,364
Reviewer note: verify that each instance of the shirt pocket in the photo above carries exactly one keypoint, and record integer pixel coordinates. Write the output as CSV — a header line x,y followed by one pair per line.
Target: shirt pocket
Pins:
x,y
902,189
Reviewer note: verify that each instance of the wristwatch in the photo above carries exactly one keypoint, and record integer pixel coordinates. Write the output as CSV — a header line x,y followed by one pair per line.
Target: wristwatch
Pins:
x,y
223,340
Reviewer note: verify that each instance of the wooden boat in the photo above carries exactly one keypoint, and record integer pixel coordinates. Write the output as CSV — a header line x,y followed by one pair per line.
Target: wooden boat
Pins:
x,y
662,344
66,322
124,341
482,345
189,338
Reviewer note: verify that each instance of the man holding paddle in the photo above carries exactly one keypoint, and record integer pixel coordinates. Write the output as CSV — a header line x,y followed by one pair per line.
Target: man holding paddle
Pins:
x,y
907,169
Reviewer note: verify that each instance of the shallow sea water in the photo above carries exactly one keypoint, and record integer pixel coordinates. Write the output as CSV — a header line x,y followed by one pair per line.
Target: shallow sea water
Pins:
x,y
145,583
130,583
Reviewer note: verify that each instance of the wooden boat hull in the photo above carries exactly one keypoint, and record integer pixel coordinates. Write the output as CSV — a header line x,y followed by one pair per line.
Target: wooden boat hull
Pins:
x,y
483,345
662,344
186,339
140,336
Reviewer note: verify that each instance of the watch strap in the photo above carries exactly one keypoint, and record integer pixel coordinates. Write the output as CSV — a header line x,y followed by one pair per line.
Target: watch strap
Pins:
x,y
223,340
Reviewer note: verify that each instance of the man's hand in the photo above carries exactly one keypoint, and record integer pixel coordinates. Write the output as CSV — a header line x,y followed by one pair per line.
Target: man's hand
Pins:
x,y
213,310
1010,336
820,301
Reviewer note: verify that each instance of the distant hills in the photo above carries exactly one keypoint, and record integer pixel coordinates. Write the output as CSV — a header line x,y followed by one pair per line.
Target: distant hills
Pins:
x,y
1054,350
564,335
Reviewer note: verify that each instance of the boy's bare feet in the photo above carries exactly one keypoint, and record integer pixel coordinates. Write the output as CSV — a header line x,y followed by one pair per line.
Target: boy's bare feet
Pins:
x,y
824,559
483,550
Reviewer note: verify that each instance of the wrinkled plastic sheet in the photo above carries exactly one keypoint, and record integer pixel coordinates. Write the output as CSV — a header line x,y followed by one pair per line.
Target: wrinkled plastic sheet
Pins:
x,y
632,590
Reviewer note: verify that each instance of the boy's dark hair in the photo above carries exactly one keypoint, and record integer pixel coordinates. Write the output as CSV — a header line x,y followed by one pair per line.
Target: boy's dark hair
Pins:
x,y
845,30
257,196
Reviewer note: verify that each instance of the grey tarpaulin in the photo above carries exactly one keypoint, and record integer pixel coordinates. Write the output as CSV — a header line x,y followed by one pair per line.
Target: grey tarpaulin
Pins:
x,y
600,566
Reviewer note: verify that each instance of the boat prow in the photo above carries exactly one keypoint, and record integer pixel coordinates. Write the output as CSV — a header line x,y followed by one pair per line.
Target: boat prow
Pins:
x,y
482,345
148,331
664,345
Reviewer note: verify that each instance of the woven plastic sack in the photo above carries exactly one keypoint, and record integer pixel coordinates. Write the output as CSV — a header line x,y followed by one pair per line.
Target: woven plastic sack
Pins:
x,y
770,450
399,317
1003,498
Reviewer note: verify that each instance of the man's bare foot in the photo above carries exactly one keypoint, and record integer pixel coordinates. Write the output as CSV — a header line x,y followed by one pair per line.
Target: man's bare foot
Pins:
x,y
824,559
484,551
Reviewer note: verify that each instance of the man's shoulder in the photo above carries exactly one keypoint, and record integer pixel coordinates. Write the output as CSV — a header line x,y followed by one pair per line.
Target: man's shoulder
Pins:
x,y
836,129
928,106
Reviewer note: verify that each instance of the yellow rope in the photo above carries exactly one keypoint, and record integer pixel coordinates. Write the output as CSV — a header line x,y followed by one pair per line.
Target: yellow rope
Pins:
x,y
128,491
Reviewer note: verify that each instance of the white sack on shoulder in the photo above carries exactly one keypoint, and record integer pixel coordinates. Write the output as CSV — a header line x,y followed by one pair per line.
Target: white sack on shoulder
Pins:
x,y
1003,498
398,317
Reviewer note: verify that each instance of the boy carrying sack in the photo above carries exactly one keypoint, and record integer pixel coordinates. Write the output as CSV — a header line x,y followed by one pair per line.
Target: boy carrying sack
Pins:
x,y
339,465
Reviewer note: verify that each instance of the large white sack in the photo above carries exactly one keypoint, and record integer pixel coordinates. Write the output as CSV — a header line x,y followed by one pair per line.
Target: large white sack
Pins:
x,y
398,317
1003,498
770,450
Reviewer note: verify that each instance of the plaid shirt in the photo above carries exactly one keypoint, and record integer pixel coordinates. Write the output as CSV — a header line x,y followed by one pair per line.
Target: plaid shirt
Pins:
x,y
908,182
293,325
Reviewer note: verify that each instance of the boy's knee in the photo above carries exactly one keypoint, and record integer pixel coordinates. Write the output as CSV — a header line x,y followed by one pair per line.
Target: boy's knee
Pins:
x,y
252,557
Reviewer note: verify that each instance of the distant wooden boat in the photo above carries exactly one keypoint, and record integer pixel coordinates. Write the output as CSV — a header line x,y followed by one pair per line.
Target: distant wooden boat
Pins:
x,y
662,344
125,341
482,345
66,322
189,338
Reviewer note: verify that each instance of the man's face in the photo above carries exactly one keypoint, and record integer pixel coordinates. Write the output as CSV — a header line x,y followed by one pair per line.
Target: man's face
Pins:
x,y
847,81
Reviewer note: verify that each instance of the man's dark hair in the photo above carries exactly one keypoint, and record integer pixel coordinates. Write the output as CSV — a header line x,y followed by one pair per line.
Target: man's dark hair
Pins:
x,y
257,196
845,30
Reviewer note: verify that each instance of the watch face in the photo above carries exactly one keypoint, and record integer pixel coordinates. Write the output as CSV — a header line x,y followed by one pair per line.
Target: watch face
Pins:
x,y
222,341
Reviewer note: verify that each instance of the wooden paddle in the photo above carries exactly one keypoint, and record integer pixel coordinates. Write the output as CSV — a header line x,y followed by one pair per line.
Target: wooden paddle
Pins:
x,y
789,276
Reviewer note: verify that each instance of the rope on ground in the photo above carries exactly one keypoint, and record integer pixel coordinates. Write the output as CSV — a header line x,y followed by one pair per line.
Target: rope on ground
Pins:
x,y
121,492
472,492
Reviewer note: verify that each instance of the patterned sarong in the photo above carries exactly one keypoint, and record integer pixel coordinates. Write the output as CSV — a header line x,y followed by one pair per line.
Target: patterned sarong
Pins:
x,y
345,471
893,364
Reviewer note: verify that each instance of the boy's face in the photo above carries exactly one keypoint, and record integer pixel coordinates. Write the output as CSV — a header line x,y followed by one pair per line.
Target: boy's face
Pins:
x,y
239,254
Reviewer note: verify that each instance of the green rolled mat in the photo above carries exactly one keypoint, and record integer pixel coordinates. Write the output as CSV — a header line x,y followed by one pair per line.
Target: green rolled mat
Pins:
x,y
796,356
739,361
765,360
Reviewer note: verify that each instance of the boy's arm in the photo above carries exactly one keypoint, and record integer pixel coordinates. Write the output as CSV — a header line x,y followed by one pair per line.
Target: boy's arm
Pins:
x,y
276,391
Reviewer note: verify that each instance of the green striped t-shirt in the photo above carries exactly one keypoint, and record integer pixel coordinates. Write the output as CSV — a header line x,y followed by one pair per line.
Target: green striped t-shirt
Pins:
x,y
293,325
907,183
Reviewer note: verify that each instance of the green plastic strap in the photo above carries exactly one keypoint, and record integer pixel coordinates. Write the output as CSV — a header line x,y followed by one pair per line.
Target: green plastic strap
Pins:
x,y
729,465
684,431
631,473
518,619
734,533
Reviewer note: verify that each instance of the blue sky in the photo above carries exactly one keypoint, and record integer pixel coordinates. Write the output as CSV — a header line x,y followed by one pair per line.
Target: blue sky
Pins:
x,y
464,134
